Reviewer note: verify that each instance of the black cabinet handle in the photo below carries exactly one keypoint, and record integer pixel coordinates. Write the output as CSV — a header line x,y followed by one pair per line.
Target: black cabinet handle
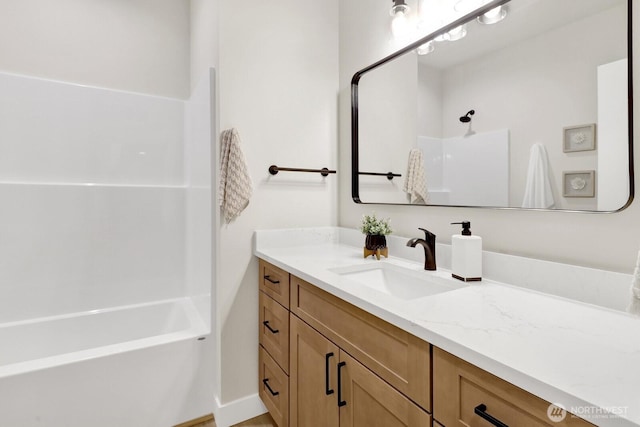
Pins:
x,y
273,331
481,410
268,278
266,384
340,401
328,390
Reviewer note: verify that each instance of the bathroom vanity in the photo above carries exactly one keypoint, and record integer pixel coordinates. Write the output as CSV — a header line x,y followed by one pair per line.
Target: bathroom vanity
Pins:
x,y
336,350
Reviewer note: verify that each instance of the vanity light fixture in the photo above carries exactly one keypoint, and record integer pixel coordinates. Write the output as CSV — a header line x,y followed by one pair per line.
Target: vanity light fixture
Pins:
x,y
399,22
402,30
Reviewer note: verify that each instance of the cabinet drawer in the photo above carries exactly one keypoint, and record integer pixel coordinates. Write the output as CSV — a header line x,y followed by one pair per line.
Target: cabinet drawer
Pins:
x,y
459,388
274,389
274,282
274,330
395,355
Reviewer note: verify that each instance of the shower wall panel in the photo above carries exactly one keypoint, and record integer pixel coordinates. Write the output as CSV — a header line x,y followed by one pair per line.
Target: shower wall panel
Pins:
x,y
92,184
59,132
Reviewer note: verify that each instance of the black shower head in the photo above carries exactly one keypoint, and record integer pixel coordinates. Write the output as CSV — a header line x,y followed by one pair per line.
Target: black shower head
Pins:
x,y
467,117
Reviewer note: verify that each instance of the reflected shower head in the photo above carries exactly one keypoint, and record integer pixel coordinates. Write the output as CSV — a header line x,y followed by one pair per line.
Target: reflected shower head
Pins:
x,y
466,118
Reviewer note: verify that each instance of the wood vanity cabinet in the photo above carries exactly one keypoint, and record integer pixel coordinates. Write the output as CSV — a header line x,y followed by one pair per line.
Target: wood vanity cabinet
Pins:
x,y
399,358
465,395
273,356
329,388
344,366
326,363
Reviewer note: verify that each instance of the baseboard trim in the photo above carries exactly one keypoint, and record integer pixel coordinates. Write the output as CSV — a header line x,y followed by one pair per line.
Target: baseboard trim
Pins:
x,y
236,411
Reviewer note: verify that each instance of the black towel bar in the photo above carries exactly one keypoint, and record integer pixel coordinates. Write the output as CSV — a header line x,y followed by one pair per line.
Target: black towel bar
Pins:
x,y
389,175
273,169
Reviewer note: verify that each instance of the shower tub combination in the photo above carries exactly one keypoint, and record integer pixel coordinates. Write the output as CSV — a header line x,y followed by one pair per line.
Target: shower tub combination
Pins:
x,y
102,367
105,256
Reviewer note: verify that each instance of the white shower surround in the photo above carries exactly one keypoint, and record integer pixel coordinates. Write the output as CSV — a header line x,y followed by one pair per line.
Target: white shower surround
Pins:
x,y
469,170
107,206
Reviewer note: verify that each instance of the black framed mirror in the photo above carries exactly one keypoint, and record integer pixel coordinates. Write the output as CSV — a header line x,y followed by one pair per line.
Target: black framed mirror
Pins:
x,y
531,112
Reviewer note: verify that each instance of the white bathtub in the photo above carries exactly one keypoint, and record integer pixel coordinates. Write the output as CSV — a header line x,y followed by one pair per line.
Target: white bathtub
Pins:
x,y
68,370
42,343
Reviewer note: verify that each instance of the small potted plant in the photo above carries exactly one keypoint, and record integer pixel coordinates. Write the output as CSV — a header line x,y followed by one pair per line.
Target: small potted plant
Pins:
x,y
375,229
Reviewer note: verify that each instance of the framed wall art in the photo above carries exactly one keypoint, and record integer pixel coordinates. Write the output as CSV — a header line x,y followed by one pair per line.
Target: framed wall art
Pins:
x,y
579,183
579,138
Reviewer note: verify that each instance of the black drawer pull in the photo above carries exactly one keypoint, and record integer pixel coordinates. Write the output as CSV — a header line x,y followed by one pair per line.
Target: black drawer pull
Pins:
x,y
266,384
481,410
273,331
328,390
269,279
340,401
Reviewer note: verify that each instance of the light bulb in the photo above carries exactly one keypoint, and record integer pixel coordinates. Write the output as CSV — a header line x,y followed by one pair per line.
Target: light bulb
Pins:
x,y
400,26
493,16
399,6
426,48
442,37
457,33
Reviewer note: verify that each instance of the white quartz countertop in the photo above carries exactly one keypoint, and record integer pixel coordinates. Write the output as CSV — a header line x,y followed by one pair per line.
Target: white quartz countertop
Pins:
x,y
583,357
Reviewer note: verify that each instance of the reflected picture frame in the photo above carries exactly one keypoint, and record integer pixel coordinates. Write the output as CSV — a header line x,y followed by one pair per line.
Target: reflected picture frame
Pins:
x,y
579,183
579,138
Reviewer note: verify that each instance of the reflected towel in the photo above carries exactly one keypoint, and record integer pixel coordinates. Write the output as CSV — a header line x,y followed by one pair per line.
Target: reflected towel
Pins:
x,y
235,183
634,304
415,183
537,193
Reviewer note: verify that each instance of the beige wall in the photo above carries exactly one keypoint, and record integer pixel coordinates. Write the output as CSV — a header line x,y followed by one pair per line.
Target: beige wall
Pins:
x,y
609,241
135,45
278,80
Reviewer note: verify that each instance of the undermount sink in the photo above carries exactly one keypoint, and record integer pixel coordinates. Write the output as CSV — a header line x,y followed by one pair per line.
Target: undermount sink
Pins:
x,y
397,281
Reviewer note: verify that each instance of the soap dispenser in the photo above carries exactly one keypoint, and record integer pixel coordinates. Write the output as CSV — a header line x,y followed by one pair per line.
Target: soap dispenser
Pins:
x,y
466,254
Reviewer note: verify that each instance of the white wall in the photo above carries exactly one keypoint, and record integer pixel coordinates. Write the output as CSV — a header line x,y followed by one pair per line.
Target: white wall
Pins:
x,y
134,45
387,119
278,85
204,39
607,241
429,101
498,87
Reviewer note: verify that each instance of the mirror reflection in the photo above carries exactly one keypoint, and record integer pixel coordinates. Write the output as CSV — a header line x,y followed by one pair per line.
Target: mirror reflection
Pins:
x,y
531,111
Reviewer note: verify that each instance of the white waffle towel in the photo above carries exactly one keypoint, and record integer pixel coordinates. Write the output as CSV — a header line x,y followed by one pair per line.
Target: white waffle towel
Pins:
x,y
235,183
415,183
538,193
634,304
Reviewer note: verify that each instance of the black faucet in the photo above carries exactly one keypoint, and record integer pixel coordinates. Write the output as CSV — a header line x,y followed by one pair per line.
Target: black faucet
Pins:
x,y
429,245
